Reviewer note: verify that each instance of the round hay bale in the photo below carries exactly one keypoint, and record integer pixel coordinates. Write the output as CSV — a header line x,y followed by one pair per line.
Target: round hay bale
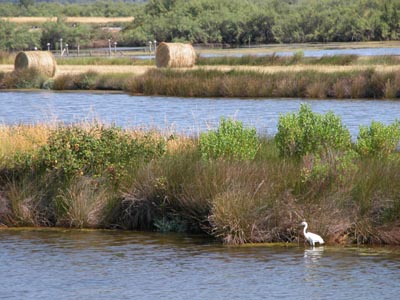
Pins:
x,y
43,61
175,55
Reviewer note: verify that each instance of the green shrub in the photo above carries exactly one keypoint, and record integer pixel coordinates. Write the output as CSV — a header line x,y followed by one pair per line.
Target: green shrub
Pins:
x,y
76,150
378,139
308,132
231,140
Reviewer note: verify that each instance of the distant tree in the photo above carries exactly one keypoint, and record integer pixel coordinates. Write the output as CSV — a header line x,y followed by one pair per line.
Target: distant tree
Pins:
x,y
26,3
14,37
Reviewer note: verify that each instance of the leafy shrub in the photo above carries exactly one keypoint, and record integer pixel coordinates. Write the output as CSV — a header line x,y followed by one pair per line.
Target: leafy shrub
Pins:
x,y
76,150
231,140
308,132
378,139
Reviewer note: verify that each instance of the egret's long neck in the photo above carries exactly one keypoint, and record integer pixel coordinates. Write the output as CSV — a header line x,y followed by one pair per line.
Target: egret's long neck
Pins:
x,y
305,228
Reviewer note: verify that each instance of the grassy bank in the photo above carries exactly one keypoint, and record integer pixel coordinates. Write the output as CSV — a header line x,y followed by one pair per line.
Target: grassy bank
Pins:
x,y
229,183
246,60
226,58
200,82
307,84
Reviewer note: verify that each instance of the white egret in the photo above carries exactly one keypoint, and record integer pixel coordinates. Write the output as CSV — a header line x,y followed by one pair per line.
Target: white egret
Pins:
x,y
312,238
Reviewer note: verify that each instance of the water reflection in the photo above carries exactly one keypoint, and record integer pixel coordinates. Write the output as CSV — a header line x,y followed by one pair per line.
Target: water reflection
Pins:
x,y
313,254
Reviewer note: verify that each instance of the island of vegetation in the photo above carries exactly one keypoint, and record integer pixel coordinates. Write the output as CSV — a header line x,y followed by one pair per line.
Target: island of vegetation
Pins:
x,y
230,183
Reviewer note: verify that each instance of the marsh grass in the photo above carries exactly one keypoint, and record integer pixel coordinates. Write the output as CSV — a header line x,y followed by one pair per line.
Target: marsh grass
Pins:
x,y
246,60
202,82
22,79
90,81
347,198
311,84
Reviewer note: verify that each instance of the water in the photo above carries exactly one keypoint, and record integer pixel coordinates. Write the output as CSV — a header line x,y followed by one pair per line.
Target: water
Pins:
x,y
183,115
129,265
379,51
319,52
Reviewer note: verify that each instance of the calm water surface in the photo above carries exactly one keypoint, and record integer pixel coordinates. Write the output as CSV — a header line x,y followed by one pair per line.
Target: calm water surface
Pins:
x,y
185,115
129,265
307,53
321,52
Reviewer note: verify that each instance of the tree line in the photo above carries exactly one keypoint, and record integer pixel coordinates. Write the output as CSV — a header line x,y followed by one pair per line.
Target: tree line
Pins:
x,y
231,22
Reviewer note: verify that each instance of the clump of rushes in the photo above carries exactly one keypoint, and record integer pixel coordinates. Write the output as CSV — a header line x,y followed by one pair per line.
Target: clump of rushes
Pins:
x,y
82,204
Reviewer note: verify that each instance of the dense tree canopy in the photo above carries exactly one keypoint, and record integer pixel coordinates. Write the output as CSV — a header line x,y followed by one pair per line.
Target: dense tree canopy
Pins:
x,y
234,22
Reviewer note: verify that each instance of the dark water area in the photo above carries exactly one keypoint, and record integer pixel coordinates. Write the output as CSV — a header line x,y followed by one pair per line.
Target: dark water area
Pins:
x,y
67,264
182,115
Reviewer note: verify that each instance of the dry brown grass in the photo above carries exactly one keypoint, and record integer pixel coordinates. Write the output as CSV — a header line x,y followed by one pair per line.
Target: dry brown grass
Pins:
x,y
102,69
22,138
85,20
83,203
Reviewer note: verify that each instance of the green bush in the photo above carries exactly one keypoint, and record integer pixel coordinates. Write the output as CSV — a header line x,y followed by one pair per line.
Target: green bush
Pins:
x,y
76,150
231,140
378,139
308,132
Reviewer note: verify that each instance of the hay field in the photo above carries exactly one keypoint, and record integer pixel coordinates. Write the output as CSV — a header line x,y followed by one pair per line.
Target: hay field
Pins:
x,y
85,20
